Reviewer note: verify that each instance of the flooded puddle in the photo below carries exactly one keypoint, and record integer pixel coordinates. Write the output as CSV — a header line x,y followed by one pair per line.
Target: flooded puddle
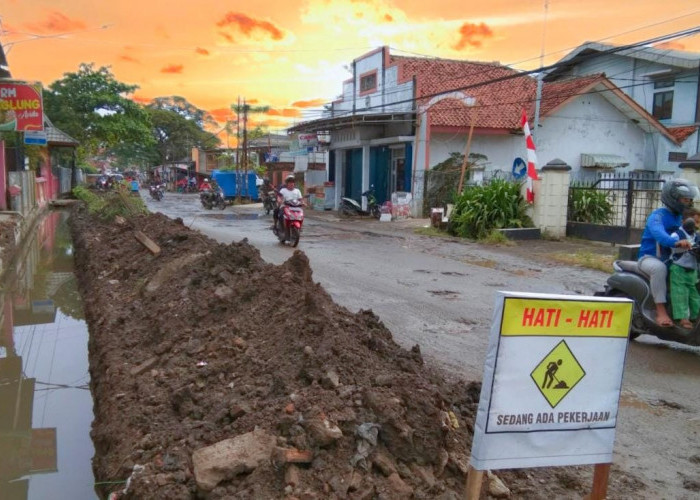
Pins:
x,y
45,401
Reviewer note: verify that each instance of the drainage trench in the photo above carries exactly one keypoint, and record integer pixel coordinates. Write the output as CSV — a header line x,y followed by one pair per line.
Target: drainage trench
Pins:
x,y
45,400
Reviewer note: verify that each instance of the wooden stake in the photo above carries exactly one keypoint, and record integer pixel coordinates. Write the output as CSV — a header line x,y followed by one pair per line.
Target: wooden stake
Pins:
x,y
466,152
600,482
147,242
472,489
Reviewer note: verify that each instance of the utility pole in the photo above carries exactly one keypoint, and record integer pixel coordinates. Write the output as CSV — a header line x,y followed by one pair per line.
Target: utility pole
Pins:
x,y
238,129
245,149
540,76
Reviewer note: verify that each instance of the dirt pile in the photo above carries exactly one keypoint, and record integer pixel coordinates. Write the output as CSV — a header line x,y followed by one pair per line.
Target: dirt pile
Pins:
x,y
217,375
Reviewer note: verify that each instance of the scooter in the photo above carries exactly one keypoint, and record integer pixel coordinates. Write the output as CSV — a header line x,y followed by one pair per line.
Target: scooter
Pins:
x,y
348,206
630,282
288,225
213,198
156,191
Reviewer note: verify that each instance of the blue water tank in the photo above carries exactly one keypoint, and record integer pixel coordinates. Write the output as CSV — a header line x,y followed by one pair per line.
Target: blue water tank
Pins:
x,y
228,180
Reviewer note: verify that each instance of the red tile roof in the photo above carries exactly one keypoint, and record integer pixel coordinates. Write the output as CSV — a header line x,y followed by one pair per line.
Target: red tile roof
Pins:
x,y
498,105
680,134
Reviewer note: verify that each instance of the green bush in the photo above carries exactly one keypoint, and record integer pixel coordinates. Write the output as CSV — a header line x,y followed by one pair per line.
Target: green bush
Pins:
x,y
480,209
589,205
107,206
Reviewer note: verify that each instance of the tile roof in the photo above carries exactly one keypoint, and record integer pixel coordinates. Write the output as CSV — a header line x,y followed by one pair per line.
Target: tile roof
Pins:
x,y
498,104
680,134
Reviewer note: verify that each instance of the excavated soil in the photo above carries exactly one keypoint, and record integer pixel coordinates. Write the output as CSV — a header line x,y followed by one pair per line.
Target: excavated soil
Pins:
x,y
205,342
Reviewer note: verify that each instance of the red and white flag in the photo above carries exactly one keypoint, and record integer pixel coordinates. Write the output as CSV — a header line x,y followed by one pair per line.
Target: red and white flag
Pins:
x,y
531,158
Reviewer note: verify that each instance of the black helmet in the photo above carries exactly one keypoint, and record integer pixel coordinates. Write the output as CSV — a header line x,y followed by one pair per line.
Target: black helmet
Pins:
x,y
676,189
290,178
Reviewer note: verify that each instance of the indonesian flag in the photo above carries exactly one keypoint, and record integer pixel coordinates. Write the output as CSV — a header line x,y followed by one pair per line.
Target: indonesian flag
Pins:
x,y
531,158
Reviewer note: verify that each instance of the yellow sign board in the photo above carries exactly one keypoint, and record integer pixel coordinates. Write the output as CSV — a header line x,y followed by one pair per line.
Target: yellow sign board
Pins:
x,y
556,318
557,373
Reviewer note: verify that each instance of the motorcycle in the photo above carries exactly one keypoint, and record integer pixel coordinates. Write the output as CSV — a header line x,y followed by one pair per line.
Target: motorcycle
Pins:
x,y
156,191
630,282
269,202
288,225
213,198
349,207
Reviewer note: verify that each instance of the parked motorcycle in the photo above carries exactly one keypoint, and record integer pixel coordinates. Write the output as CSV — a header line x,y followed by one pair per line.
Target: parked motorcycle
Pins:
x,y
630,282
157,191
288,225
213,198
349,206
269,202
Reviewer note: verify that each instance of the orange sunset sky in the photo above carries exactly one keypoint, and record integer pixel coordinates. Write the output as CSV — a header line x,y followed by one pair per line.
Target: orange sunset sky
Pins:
x,y
291,54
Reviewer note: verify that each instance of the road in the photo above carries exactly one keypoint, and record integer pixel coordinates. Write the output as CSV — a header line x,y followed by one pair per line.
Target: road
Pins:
x,y
440,294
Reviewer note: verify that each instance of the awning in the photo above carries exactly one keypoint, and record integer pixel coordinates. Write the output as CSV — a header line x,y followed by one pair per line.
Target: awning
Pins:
x,y
589,160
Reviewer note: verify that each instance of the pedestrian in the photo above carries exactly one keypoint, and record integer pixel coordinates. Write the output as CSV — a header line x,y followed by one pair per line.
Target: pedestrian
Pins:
x,y
685,300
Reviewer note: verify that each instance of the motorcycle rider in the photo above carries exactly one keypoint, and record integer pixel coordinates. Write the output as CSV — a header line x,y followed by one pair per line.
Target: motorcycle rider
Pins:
x,y
658,239
205,186
288,193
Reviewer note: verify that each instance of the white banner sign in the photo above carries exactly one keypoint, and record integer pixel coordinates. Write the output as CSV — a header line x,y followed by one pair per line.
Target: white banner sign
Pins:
x,y
551,382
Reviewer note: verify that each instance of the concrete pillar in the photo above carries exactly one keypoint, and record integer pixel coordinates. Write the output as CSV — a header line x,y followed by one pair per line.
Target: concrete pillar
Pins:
x,y
365,175
339,176
690,169
552,198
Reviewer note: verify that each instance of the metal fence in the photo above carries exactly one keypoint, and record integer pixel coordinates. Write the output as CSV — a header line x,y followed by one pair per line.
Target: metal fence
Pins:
x,y
632,196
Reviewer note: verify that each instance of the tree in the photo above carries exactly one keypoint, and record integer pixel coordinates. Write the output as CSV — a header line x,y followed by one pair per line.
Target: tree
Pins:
x,y
92,106
176,135
184,108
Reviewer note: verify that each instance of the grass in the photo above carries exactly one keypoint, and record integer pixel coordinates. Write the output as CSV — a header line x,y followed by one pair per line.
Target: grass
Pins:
x,y
587,259
496,237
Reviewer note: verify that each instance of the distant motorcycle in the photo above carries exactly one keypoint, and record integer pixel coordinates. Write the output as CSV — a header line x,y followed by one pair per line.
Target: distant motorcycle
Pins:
x,y
157,191
269,202
288,225
349,206
213,198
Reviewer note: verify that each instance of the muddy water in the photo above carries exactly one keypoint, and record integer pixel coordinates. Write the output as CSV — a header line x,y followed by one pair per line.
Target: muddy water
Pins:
x,y
45,401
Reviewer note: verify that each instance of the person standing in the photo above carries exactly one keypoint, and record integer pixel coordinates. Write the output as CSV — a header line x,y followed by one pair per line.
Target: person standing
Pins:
x,y
683,271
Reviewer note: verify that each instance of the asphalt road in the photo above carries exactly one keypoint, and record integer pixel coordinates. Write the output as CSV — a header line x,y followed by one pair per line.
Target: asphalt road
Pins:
x,y
440,294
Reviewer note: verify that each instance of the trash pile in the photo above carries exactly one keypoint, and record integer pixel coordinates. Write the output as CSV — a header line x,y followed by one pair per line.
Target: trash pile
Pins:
x,y
215,374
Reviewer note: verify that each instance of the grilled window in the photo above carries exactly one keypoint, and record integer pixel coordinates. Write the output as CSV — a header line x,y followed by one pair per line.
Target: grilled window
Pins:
x,y
677,156
368,82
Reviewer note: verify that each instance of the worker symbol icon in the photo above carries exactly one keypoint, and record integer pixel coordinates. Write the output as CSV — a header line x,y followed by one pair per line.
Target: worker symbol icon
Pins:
x,y
550,376
557,374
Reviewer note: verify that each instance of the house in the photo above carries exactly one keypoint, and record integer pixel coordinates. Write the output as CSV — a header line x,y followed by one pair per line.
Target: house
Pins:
x,y
400,116
664,82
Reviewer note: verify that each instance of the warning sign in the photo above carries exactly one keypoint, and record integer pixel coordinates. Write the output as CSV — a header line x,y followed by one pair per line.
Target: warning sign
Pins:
x,y
557,374
551,381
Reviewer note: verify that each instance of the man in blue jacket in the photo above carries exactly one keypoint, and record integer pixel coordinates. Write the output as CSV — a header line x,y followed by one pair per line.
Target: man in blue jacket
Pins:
x,y
658,239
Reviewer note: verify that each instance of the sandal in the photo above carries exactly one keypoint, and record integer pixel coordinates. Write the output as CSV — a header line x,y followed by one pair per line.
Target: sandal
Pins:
x,y
684,323
666,323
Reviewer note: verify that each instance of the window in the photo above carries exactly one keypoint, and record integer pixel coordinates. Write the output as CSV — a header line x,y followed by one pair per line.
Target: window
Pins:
x,y
677,156
663,105
663,84
368,82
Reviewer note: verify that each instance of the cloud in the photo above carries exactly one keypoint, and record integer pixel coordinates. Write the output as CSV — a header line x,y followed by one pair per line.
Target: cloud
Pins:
x,y
388,18
201,51
252,101
56,22
671,45
472,35
172,68
141,100
162,33
222,114
248,27
311,103
285,112
130,59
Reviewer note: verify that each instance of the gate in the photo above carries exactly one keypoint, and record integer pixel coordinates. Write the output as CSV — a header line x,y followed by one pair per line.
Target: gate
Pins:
x,y
613,208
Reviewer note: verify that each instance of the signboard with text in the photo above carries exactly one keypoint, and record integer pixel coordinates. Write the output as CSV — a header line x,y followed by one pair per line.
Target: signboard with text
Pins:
x,y
21,106
552,381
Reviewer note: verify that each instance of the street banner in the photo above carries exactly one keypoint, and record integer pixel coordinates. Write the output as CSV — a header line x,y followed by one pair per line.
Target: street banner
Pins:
x,y
552,379
21,106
